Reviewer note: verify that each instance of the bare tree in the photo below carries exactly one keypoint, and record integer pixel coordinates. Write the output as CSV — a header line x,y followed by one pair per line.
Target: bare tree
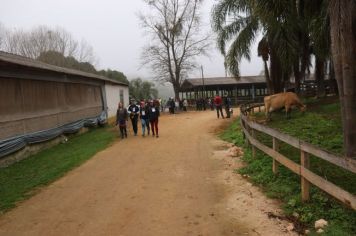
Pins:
x,y
43,39
174,27
2,35
85,52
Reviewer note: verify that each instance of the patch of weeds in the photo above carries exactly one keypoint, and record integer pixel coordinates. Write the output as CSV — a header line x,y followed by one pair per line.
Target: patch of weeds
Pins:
x,y
286,185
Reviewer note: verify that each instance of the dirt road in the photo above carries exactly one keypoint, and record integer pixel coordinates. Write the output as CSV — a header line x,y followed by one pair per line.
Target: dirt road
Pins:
x,y
181,183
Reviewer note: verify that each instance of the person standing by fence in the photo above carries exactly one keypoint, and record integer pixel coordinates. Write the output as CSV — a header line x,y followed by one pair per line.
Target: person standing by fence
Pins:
x,y
227,104
218,105
121,119
153,114
133,111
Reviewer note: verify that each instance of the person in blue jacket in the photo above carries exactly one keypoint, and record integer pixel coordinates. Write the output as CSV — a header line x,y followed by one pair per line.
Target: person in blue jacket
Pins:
x,y
145,121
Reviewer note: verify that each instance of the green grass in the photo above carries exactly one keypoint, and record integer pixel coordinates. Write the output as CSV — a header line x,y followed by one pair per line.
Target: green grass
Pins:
x,y
321,126
22,179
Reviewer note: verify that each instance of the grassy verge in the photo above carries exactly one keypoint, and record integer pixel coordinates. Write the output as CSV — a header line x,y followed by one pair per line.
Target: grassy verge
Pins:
x,y
19,181
320,125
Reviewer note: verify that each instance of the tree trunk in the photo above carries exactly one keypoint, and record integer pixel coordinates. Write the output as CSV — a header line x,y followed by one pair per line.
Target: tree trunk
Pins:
x,y
332,80
268,78
297,77
319,76
176,89
276,72
343,45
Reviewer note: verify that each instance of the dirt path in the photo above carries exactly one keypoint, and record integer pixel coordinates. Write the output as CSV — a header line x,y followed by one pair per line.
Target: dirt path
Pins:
x,y
179,184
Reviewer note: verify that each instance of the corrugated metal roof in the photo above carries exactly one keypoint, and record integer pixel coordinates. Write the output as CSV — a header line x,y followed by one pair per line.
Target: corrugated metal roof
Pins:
x,y
226,80
32,63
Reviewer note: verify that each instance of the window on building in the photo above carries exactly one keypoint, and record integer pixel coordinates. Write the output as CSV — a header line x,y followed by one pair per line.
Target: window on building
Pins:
x,y
122,96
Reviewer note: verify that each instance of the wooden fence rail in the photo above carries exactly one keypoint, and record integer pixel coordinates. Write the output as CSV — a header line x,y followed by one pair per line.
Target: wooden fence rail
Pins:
x,y
307,176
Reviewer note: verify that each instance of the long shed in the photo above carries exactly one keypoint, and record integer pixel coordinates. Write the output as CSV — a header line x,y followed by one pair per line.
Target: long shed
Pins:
x,y
39,101
239,89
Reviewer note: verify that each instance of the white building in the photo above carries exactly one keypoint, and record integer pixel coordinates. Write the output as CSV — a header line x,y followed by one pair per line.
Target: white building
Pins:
x,y
115,93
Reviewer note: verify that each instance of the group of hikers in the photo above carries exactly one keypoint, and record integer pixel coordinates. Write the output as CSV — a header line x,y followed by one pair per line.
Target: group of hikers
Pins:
x,y
147,111
217,103
201,104
173,105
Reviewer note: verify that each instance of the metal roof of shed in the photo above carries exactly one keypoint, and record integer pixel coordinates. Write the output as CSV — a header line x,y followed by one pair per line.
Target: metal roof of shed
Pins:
x,y
225,80
32,63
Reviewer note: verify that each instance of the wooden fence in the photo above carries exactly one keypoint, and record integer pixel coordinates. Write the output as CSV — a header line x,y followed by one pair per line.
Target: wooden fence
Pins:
x,y
307,176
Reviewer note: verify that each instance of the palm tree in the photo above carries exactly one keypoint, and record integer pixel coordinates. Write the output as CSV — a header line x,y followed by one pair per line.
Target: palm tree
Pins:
x,y
241,21
244,28
318,26
292,31
263,51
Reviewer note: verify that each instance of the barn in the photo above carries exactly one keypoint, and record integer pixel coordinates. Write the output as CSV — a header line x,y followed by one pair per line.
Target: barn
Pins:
x,y
39,102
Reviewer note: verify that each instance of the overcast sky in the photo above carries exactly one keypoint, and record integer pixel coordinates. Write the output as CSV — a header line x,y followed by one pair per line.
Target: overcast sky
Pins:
x,y
112,28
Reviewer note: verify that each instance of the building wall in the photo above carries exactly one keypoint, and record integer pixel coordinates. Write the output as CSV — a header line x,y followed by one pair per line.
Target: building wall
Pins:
x,y
114,94
28,106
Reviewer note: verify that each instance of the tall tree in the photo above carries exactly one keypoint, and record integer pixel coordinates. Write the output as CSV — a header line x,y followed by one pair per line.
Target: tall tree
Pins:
x,y
292,31
319,31
238,23
176,41
343,46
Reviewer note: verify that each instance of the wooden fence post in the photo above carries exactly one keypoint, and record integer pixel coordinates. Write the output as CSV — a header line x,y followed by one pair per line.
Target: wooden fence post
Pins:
x,y
253,134
275,163
305,185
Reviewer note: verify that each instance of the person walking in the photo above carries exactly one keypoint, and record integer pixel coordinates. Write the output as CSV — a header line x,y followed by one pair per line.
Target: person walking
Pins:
x,y
227,104
218,105
211,103
172,105
185,104
133,112
153,114
121,119
163,104
145,121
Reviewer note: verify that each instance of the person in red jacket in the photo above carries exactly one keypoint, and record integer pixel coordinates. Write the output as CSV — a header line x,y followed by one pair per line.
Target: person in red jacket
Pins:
x,y
153,114
218,104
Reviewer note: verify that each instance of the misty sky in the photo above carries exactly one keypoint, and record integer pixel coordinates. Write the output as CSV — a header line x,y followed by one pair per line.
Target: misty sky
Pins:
x,y
112,28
